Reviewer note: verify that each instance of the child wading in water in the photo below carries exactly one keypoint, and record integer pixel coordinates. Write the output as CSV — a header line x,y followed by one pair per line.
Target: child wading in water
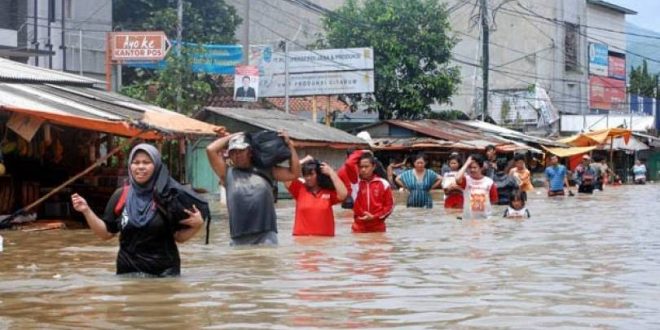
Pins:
x,y
517,207
453,193
480,191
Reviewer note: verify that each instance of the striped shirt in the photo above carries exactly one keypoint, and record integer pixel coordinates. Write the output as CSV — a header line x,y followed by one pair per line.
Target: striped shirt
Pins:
x,y
420,195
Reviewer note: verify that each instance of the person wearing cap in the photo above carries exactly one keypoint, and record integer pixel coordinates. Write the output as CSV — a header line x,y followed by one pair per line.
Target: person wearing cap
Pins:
x,y
250,200
585,176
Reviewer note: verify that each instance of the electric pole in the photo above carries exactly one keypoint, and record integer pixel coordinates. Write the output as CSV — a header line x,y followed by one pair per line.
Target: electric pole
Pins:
x,y
179,31
484,57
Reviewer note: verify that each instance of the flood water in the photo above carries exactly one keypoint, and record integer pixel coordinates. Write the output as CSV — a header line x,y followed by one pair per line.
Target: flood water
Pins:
x,y
579,262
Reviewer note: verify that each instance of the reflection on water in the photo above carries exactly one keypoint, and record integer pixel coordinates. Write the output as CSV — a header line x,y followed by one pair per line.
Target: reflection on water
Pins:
x,y
579,262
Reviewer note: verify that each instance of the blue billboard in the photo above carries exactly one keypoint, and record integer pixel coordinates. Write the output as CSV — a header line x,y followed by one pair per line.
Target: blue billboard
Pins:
x,y
598,59
214,59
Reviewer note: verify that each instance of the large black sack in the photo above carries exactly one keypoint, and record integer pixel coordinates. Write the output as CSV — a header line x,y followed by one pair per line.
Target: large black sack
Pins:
x,y
174,198
268,148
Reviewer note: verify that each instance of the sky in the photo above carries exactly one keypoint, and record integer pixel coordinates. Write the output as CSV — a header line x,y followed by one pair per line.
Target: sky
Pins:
x,y
647,12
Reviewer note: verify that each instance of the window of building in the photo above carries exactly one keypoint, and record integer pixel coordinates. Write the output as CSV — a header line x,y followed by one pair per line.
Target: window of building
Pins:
x,y
571,47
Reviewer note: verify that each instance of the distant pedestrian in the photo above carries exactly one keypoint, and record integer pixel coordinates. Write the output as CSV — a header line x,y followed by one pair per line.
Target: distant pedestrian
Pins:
x,y
506,183
419,181
490,164
639,172
517,207
453,192
556,177
585,176
522,175
479,191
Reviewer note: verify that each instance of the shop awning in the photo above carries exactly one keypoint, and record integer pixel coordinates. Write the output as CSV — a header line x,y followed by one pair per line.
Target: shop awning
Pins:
x,y
597,137
567,152
93,109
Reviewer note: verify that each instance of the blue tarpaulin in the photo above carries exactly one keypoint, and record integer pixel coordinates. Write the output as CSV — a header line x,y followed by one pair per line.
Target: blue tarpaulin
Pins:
x,y
215,59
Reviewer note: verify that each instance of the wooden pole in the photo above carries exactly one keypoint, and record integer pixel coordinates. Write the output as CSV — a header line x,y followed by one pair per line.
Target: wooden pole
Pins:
x,y
314,108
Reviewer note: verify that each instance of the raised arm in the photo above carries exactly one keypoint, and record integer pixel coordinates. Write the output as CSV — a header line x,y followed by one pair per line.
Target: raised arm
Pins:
x,y
340,188
461,173
95,223
216,159
293,171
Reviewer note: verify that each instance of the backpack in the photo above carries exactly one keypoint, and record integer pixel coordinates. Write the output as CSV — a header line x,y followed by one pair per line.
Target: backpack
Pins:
x,y
588,177
268,148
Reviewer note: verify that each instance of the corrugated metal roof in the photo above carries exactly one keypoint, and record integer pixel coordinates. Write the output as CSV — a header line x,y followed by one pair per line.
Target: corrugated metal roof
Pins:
x,y
298,128
449,131
66,104
419,144
16,72
508,133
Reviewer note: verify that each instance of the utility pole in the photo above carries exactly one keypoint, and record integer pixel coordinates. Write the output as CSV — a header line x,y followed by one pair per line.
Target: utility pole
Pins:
x,y
63,45
179,31
35,40
246,35
286,76
484,57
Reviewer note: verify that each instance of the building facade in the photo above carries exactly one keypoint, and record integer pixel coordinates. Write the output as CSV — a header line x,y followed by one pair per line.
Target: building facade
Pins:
x,y
66,35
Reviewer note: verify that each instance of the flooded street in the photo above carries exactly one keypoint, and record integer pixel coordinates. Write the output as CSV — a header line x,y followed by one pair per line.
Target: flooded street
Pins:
x,y
579,262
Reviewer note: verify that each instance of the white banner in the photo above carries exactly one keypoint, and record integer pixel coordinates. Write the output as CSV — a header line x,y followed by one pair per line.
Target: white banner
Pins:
x,y
322,60
323,83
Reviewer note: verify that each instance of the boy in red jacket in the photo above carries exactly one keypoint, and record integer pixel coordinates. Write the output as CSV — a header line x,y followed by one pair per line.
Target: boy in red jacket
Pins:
x,y
373,198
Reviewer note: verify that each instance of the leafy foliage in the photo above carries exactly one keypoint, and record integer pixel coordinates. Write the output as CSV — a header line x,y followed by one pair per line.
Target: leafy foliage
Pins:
x,y
203,22
412,47
642,82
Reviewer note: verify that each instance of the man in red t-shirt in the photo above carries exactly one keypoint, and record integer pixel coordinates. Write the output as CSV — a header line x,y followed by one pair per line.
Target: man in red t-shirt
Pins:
x,y
315,198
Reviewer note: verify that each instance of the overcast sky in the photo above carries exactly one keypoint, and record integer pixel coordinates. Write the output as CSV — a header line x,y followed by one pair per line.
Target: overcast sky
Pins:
x,y
647,12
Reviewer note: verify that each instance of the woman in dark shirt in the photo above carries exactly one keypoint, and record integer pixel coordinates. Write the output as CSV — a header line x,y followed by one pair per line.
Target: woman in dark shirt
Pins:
x,y
147,243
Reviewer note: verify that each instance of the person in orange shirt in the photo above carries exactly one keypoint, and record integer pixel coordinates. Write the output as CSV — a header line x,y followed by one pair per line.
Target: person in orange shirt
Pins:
x,y
320,189
522,175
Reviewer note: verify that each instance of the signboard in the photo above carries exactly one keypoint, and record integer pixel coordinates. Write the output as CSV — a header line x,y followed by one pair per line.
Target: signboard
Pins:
x,y
213,59
246,83
607,93
143,46
598,57
322,60
25,126
321,83
617,67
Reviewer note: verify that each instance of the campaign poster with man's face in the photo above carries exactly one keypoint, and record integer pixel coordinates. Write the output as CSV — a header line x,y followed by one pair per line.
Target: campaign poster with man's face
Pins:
x,y
246,83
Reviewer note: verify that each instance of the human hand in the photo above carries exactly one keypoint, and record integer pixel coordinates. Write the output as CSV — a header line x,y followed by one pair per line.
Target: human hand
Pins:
x,y
306,159
327,169
79,203
366,217
285,135
194,219
220,131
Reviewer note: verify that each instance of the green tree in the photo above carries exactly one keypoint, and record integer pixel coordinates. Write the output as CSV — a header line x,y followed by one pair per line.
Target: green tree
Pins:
x,y
203,22
412,47
641,81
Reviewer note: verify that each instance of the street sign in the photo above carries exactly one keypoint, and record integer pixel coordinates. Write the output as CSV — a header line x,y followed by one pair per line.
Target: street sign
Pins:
x,y
213,59
319,83
139,46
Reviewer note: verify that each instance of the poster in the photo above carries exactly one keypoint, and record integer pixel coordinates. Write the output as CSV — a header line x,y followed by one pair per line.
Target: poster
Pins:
x,y
246,83
598,57
617,67
607,93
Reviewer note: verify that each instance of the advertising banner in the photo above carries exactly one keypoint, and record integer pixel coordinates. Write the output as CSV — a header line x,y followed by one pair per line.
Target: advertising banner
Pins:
x,y
321,83
607,93
322,60
617,67
141,46
246,83
598,57
212,59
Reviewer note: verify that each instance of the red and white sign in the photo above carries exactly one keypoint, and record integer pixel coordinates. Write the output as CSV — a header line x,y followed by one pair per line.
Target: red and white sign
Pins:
x,y
607,93
139,46
246,83
617,67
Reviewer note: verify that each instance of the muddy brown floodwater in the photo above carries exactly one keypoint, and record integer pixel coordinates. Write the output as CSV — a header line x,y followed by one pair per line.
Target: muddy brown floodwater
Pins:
x,y
579,262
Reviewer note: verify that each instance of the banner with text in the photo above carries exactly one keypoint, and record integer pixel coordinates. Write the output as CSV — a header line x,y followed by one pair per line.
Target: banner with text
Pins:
x,y
607,93
321,83
598,59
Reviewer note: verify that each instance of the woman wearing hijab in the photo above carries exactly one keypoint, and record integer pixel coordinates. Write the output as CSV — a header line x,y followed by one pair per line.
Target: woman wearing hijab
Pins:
x,y
147,244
